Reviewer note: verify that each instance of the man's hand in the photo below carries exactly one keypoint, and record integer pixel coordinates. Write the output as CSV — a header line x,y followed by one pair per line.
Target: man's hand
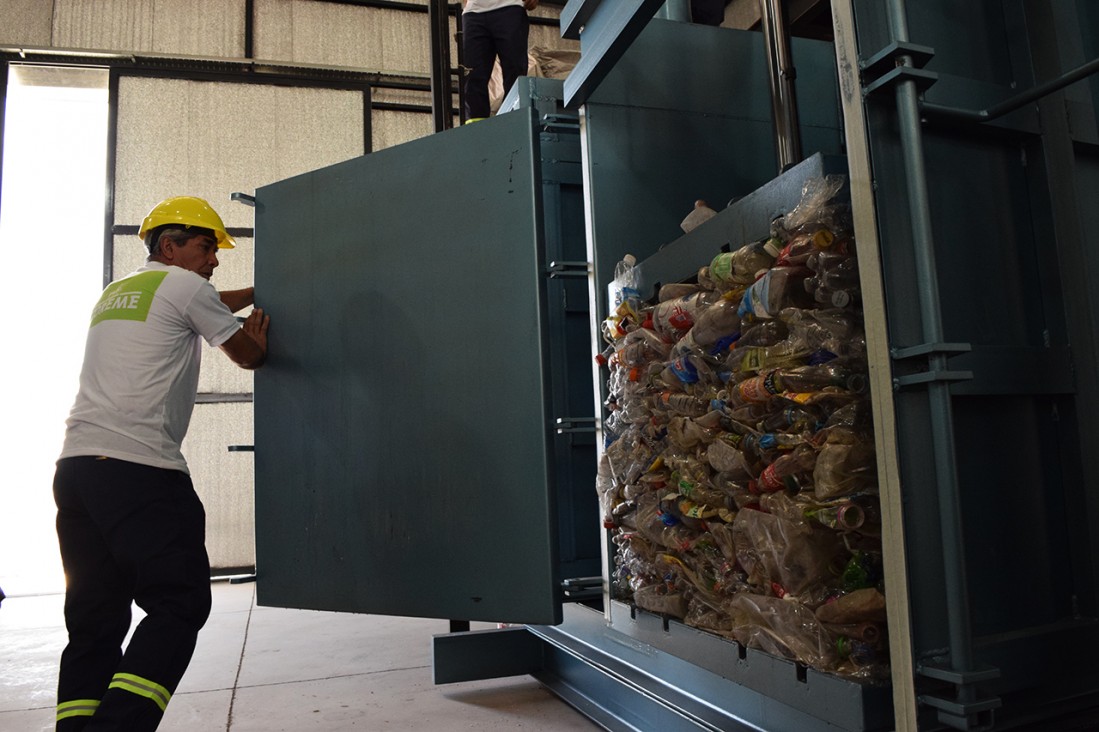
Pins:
x,y
255,325
530,4
248,346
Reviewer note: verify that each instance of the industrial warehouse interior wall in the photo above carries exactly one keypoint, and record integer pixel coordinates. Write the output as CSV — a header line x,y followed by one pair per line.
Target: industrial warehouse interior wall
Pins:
x,y
242,136
211,138
209,28
310,33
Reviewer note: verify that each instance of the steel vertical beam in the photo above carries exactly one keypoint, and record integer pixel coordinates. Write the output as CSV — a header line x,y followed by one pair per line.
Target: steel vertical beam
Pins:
x,y
441,102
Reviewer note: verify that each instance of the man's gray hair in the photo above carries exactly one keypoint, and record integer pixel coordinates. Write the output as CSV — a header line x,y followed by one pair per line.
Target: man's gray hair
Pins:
x,y
176,233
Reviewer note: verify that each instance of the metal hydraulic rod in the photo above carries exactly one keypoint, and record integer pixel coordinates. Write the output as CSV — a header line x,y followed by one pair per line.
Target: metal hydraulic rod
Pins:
x,y
780,68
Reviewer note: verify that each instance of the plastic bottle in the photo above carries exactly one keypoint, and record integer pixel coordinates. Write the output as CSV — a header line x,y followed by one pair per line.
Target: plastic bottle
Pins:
x,y
803,246
641,346
700,214
626,279
789,472
792,417
675,290
789,353
778,288
742,266
716,322
831,329
685,404
843,469
673,318
815,378
847,516
836,279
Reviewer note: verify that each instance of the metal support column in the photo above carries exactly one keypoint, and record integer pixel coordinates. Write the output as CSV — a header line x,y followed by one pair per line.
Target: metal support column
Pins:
x,y
780,67
441,103
966,711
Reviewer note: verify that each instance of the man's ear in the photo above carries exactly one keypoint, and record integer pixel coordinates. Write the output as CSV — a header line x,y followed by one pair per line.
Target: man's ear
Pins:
x,y
167,247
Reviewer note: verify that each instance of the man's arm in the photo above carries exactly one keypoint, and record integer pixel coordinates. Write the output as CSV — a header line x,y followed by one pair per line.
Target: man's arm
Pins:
x,y
238,299
530,4
247,347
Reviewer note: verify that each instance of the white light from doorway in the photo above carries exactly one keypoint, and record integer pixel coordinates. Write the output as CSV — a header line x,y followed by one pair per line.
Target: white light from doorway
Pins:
x,y
51,236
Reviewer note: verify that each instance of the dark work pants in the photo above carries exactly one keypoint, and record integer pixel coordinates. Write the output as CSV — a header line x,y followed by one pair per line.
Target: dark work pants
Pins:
x,y
128,533
485,36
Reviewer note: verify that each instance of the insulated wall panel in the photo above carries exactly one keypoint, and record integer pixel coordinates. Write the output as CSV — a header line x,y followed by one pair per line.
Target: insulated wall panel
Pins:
x,y
330,34
178,27
222,137
223,480
25,23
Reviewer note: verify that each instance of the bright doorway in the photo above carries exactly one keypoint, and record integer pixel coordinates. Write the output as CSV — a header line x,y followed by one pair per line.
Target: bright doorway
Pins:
x,y
52,213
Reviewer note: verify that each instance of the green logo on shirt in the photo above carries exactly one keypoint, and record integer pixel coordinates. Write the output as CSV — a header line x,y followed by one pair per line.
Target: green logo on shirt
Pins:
x,y
128,299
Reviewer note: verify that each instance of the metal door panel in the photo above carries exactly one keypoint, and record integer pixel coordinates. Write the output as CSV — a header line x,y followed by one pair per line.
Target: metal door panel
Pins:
x,y
402,429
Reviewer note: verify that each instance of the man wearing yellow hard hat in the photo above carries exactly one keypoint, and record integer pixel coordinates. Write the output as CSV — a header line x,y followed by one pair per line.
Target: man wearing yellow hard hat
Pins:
x,y
130,525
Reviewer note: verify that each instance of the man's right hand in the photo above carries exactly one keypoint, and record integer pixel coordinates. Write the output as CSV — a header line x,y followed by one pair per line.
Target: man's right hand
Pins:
x,y
248,346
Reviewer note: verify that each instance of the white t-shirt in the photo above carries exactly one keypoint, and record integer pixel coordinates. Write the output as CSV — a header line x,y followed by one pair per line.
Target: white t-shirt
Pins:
x,y
141,361
483,6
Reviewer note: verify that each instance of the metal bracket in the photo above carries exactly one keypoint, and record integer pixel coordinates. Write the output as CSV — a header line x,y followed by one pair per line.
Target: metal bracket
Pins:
x,y
927,349
886,59
888,67
972,715
563,122
923,79
582,588
568,269
575,424
934,375
927,377
243,198
953,676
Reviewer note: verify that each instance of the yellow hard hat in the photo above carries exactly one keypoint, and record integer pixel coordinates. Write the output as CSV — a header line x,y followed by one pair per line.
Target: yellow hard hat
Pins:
x,y
188,211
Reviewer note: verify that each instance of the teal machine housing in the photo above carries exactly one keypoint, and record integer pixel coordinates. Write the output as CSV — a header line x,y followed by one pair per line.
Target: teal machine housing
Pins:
x,y
426,426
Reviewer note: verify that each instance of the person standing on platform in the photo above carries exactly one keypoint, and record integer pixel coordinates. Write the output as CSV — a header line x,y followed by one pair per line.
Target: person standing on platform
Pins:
x,y
491,29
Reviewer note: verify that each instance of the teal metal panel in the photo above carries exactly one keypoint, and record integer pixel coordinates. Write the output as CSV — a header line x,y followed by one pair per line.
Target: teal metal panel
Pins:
x,y
403,433
1013,259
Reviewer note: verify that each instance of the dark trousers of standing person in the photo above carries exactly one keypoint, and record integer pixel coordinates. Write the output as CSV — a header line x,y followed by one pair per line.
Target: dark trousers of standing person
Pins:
x,y
128,533
708,12
485,36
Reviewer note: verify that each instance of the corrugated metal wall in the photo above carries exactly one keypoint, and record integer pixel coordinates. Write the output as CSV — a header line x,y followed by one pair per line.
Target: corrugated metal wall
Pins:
x,y
210,138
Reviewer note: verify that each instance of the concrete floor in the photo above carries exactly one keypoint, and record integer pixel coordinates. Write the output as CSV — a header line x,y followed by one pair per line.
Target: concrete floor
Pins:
x,y
270,669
